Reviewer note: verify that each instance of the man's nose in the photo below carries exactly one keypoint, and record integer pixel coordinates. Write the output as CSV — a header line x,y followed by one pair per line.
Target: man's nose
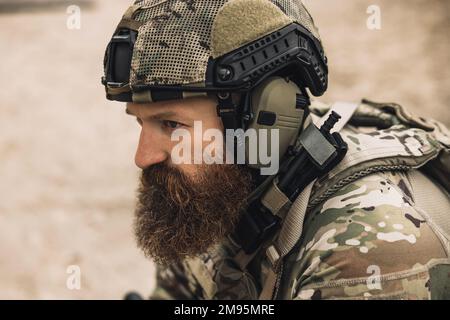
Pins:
x,y
150,150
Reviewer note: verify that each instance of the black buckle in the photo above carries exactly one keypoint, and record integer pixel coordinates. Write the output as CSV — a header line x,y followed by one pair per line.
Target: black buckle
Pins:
x,y
321,151
253,228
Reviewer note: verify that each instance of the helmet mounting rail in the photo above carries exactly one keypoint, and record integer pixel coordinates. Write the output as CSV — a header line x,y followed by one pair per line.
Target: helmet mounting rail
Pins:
x,y
292,51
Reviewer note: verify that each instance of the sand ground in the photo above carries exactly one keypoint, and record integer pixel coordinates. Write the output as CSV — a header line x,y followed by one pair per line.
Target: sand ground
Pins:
x,y
67,178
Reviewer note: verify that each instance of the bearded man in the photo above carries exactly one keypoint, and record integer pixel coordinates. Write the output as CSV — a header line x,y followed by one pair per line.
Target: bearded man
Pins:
x,y
359,207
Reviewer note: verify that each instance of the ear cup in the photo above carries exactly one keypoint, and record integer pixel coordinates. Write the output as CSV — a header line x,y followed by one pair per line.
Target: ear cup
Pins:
x,y
273,105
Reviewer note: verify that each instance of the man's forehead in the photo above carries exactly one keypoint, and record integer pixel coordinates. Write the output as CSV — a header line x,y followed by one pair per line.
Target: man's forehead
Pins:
x,y
153,107
149,109
179,106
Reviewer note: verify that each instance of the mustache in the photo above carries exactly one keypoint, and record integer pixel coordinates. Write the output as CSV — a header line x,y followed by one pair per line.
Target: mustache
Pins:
x,y
210,182
176,185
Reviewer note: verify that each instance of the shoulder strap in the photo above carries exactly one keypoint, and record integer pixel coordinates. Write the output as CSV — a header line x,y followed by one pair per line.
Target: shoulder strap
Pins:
x,y
292,227
290,233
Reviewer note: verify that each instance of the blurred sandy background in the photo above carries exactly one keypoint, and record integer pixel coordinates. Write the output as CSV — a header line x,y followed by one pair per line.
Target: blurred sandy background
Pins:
x,y
67,177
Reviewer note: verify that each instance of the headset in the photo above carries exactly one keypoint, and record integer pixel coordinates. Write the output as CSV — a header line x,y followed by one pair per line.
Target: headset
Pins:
x,y
276,104
274,73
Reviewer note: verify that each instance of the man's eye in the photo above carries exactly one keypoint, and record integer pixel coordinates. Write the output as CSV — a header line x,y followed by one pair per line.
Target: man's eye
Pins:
x,y
172,124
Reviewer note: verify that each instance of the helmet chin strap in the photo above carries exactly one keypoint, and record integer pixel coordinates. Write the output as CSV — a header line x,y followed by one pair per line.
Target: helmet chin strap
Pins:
x,y
227,111
235,113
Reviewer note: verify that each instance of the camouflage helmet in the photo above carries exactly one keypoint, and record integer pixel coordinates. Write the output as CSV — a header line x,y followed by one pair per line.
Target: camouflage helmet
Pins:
x,y
182,48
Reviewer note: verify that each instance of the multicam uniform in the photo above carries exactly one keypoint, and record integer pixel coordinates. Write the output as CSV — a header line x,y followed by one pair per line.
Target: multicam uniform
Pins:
x,y
370,241
372,238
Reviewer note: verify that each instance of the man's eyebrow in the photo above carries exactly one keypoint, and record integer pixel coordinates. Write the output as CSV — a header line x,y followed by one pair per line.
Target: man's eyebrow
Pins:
x,y
160,115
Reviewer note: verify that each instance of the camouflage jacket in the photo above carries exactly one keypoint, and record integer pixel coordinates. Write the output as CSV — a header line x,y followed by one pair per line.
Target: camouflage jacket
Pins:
x,y
363,238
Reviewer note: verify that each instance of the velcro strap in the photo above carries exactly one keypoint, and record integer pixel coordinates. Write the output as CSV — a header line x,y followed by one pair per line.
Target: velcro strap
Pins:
x,y
310,139
128,20
275,199
118,90
130,24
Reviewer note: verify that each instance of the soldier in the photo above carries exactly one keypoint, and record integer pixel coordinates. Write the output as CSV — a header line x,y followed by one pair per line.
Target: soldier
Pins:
x,y
360,211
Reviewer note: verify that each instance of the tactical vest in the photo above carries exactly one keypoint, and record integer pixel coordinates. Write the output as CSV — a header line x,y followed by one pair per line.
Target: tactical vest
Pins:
x,y
381,137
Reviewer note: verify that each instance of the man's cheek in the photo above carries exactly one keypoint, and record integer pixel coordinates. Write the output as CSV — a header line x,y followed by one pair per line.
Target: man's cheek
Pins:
x,y
181,149
213,147
189,170
197,146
